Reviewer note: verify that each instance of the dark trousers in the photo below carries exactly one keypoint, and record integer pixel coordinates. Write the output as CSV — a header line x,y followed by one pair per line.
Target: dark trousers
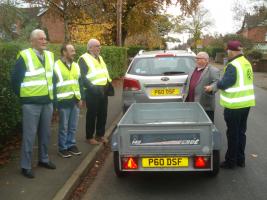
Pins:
x,y
96,115
236,122
210,114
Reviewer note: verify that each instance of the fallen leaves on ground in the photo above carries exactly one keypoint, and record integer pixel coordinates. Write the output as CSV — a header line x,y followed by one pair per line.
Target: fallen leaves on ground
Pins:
x,y
91,175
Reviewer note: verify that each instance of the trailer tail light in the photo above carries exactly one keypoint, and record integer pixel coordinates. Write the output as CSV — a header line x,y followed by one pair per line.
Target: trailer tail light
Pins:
x,y
131,84
129,163
202,162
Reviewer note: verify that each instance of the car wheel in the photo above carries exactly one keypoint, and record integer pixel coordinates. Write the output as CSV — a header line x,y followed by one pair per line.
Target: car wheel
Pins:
x,y
116,162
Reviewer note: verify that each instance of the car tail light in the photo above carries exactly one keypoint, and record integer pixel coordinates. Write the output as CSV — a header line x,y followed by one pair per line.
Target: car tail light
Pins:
x,y
129,163
202,162
131,84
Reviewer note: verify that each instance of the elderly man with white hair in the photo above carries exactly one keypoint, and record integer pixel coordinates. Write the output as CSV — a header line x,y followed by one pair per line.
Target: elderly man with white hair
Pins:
x,y
96,81
32,83
203,75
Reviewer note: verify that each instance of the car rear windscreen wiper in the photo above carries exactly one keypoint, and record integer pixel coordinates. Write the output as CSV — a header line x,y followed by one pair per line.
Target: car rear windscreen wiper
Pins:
x,y
173,72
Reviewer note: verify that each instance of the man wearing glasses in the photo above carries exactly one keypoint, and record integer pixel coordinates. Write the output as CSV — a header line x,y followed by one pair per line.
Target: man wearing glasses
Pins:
x,y
203,75
96,81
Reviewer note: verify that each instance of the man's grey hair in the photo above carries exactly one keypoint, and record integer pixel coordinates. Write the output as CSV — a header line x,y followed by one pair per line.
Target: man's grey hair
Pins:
x,y
35,32
91,43
204,54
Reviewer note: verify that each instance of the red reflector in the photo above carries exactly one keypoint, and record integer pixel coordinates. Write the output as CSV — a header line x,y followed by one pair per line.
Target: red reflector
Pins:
x,y
131,84
202,162
165,55
129,163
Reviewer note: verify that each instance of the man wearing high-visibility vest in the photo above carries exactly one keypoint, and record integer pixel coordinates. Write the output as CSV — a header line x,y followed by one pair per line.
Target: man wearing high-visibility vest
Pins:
x,y
237,96
32,83
68,93
96,81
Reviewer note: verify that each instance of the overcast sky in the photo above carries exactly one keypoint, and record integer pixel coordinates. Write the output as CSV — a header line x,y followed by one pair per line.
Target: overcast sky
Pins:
x,y
221,12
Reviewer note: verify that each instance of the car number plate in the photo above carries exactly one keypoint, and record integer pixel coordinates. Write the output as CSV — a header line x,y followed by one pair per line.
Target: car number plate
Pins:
x,y
163,162
165,91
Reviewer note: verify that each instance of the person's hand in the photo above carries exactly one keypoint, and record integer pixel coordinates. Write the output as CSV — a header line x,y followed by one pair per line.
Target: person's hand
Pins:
x,y
208,88
80,104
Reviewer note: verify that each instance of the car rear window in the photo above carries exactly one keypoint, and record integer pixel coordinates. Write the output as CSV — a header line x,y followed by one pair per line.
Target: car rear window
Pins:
x,y
156,66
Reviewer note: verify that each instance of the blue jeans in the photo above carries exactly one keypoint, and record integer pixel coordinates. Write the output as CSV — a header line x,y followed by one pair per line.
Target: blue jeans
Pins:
x,y
36,119
68,122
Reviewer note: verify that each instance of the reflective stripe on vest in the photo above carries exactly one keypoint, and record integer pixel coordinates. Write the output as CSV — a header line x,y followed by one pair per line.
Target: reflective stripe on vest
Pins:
x,y
38,78
67,85
97,71
241,94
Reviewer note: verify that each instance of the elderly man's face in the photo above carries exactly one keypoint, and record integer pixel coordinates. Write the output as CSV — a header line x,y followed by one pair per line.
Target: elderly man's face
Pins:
x,y
95,48
201,60
39,42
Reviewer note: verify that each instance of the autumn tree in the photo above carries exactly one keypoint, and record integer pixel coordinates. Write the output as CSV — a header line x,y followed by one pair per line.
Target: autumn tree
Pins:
x,y
140,16
16,22
253,9
9,16
70,11
196,23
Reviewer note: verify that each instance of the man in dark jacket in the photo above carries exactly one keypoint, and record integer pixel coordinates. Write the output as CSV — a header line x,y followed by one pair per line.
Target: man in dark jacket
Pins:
x,y
32,83
68,95
237,96
96,81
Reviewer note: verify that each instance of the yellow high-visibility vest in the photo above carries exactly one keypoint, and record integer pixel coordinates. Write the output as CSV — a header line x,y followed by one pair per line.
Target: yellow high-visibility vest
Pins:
x,y
38,78
241,94
67,85
97,71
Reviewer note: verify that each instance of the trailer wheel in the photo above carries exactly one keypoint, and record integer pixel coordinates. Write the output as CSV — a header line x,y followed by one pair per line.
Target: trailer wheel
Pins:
x,y
216,163
116,162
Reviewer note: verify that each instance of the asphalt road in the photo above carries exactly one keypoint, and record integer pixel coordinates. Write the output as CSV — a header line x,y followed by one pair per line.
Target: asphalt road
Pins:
x,y
249,183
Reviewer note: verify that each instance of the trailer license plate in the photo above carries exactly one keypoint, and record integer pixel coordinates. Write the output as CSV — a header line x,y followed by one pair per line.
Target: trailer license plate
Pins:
x,y
164,162
165,92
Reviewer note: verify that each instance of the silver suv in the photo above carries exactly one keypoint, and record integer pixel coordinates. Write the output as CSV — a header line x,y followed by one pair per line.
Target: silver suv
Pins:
x,y
157,76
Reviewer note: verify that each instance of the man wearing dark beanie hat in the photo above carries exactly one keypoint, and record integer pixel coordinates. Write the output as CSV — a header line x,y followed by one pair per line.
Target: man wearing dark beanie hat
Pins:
x,y
237,96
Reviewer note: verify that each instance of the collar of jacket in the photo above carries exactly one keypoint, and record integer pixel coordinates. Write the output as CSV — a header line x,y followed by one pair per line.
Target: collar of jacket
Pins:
x,y
235,57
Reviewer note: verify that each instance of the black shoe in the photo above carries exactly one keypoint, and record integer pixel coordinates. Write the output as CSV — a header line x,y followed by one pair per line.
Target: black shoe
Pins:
x,y
64,153
74,150
48,165
27,173
241,164
226,165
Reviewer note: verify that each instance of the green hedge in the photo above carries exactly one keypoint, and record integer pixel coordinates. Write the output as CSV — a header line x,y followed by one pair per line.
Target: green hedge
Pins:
x,y
133,50
10,114
9,104
115,57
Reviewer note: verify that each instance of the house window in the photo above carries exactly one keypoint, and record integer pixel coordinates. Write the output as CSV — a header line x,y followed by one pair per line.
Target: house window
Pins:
x,y
266,37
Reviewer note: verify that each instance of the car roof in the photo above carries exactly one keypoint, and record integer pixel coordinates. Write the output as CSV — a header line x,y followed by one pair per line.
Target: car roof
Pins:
x,y
143,53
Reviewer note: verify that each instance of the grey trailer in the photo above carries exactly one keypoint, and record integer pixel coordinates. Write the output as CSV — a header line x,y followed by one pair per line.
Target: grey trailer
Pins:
x,y
175,136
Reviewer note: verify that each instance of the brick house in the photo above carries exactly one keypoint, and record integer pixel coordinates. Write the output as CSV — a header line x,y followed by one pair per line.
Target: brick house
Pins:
x,y
255,29
256,33
53,24
254,26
